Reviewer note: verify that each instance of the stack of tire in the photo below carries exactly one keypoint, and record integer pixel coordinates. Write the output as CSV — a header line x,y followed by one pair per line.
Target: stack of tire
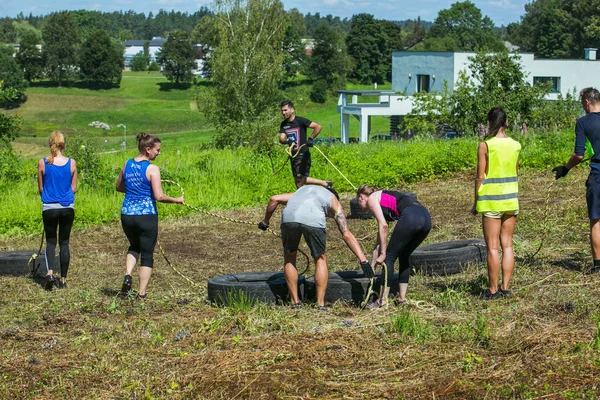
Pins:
x,y
20,262
350,286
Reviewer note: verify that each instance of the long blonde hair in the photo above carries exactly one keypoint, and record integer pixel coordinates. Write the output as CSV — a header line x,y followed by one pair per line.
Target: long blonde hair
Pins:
x,y
56,143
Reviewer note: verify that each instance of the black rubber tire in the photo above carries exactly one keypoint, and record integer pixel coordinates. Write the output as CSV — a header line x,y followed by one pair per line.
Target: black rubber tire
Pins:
x,y
347,286
358,213
15,263
448,258
266,287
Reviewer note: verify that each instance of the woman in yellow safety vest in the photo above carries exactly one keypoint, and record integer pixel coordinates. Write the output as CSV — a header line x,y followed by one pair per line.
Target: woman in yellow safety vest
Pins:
x,y
496,197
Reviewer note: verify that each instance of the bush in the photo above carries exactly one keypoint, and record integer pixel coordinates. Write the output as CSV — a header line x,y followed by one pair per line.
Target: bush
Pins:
x,y
153,67
319,91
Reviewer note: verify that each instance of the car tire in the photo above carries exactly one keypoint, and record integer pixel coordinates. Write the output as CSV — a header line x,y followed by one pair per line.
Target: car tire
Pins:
x,y
266,287
20,263
346,286
448,258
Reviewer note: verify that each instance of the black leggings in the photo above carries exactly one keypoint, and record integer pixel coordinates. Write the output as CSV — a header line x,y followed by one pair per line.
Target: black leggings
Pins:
x,y
410,230
142,232
60,219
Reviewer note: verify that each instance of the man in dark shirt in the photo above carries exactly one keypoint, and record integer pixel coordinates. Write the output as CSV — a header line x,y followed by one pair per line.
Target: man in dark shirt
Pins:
x,y
292,132
587,129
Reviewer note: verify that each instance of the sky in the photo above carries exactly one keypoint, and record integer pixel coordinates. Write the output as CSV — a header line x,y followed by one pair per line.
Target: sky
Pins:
x,y
502,12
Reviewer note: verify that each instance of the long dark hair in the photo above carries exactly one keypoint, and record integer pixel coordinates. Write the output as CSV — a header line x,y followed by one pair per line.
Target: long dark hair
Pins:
x,y
496,120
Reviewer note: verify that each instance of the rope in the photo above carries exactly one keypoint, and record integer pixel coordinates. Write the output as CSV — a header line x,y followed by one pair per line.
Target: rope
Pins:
x,y
221,217
370,291
336,168
544,222
31,265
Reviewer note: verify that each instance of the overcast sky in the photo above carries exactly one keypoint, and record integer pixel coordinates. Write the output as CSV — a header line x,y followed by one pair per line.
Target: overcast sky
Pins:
x,y
502,12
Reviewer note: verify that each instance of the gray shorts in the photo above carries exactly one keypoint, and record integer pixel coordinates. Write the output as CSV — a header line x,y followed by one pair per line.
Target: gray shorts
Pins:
x,y
315,238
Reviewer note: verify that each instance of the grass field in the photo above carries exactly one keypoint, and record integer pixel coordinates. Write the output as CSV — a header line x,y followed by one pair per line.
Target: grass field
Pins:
x,y
86,342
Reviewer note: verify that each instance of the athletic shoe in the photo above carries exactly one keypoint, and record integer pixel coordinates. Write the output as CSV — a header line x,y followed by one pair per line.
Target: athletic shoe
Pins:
x,y
322,308
595,269
49,282
329,184
297,305
399,302
503,293
487,295
141,296
375,305
126,284
62,285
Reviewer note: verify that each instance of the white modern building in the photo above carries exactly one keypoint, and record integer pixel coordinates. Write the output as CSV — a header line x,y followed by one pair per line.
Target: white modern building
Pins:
x,y
133,47
414,72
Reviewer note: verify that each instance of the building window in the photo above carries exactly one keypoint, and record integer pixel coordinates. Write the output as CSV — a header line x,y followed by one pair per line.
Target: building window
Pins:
x,y
423,83
554,82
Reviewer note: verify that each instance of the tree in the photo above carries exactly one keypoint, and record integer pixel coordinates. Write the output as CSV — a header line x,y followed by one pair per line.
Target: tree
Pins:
x,y
371,43
462,28
139,62
492,80
177,57
61,45
329,61
30,57
246,71
101,60
293,51
10,125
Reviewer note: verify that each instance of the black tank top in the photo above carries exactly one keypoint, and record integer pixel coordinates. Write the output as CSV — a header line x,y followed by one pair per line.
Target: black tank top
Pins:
x,y
392,203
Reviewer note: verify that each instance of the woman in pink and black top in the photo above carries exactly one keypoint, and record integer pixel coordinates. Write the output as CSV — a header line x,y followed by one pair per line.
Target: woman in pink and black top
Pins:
x,y
412,227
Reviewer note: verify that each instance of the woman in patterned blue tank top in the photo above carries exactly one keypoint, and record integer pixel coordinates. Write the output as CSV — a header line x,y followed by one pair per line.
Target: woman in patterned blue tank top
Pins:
x,y
140,181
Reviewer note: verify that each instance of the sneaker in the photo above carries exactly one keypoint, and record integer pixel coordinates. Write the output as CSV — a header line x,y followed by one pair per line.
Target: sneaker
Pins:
x,y
594,270
399,302
487,295
62,285
49,282
329,184
297,305
141,296
322,308
503,293
375,305
126,284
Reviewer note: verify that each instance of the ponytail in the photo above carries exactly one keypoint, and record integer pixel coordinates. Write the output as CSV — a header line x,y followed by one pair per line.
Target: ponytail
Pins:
x,y
57,144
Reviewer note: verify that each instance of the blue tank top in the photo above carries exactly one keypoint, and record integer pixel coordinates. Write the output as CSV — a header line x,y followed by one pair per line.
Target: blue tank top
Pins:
x,y
57,184
139,199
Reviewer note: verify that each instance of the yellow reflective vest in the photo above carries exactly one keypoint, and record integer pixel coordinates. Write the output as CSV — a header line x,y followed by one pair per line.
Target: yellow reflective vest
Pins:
x,y
499,190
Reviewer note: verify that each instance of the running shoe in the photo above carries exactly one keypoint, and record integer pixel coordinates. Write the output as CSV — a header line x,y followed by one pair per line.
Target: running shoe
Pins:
x,y
126,284
487,295
49,282
62,285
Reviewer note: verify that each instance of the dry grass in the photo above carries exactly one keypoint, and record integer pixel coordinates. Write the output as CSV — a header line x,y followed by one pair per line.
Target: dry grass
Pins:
x,y
86,342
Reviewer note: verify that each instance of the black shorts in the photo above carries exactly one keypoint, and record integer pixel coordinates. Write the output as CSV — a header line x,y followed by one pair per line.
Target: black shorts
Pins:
x,y
301,164
592,196
315,238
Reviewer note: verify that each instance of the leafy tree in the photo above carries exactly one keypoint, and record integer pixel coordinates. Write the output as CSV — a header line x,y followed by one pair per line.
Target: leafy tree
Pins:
x,y
101,60
492,80
139,62
293,51
246,71
10,70
10,125
30,57
462,28
177,57
329,61
206,33
371,43
61,45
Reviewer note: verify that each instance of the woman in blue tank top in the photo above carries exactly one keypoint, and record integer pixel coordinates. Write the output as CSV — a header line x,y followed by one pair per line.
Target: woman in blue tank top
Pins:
x,y
57,184
140,181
